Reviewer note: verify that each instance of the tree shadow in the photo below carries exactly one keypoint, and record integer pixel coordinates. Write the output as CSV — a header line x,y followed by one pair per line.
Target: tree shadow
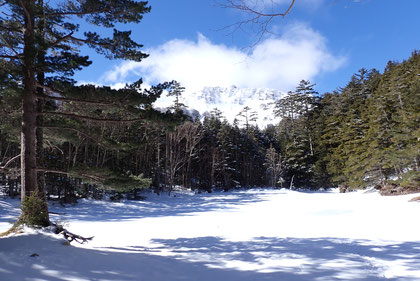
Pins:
x,y
9,210
178,204
158,206
302,258
210,259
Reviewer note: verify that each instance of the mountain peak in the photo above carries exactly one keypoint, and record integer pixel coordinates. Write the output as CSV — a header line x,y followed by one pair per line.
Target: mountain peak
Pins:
x,y
231,101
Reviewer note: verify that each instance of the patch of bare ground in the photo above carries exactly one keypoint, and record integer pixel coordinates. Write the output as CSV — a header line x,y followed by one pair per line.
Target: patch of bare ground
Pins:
x,y
390,189
415,199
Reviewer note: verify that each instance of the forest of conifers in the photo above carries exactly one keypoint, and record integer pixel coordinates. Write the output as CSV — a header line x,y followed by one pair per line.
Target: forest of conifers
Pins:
x,y
364,134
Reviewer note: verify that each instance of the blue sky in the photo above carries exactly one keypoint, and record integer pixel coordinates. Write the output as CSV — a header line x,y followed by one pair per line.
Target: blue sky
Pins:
x,y
324,41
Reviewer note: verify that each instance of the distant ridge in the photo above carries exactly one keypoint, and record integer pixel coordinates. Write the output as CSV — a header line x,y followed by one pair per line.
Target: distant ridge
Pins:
x,y
230,101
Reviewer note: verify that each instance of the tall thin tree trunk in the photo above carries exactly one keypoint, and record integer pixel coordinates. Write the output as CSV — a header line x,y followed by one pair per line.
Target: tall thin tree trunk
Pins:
x,y
166,159
69,159
75,155
213,167
158,168
40,104
29,111
104,158
40,139
32,214
85,160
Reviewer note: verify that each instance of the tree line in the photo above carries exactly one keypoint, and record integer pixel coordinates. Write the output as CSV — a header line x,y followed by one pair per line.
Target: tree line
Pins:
x,y
64,140
363,134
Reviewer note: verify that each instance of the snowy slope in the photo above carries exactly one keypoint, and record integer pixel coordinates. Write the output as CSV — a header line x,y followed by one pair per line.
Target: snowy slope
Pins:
x,y
241,235
231,101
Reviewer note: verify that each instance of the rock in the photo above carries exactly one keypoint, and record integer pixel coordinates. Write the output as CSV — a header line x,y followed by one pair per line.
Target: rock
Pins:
x,y
395,189
415,199
343,188
390,189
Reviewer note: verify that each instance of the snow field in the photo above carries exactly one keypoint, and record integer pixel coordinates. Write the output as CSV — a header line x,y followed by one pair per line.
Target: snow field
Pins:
x,y
242,235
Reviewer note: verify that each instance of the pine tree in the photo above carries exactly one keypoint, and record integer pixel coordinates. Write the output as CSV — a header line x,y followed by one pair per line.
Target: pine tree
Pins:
x,y
273,162
296,133
42,41
394,119
212,125
176,90
247,116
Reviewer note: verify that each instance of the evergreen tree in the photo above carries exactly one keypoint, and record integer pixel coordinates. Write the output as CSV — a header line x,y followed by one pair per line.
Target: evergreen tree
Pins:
x,y
394,121
296,133
176,90
273,162
226,141
248,116
40,43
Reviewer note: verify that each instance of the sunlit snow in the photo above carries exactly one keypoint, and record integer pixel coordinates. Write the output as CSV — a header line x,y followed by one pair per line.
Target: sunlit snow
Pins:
x,y
242,235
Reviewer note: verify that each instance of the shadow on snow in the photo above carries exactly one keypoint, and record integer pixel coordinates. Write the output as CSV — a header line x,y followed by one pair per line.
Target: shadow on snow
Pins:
x,y
158,206
210,259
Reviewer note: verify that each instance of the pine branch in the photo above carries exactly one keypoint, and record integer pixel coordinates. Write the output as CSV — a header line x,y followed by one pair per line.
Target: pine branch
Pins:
x,y
67,99
80,132
47,97
70,174
11,48
91,42
27,13
79,14
64,38
87,12
105,120
9,57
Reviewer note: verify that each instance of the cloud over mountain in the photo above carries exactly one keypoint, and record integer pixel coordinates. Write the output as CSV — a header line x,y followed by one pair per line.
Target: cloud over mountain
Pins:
x,y
278,62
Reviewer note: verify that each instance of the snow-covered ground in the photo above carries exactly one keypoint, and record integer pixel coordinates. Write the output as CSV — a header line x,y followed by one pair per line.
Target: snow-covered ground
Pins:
x,y
242,235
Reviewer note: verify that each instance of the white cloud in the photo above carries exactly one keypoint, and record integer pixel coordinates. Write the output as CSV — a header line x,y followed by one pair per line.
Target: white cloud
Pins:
x,y
278,62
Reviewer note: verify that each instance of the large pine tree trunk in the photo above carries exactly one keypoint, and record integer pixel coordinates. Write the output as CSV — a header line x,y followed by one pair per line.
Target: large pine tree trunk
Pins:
x,y
34,205
29,110
40,107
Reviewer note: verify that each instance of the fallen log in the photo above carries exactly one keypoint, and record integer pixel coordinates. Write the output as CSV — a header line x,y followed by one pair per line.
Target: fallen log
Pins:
x,y
59,229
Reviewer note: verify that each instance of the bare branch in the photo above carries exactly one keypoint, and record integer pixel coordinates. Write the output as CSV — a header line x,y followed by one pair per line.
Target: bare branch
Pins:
x,y
257,17
52,146
9,162
64,38
243,6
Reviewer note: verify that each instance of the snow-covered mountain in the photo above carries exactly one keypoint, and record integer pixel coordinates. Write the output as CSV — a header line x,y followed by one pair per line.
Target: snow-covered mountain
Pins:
x,y
230,101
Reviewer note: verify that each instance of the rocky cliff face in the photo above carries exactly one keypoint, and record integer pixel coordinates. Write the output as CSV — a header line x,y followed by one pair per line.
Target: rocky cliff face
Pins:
x,y
231,101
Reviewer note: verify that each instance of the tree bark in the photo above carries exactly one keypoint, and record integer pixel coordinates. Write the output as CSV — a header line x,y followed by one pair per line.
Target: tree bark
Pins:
x,y
40,107
29,180
29,108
